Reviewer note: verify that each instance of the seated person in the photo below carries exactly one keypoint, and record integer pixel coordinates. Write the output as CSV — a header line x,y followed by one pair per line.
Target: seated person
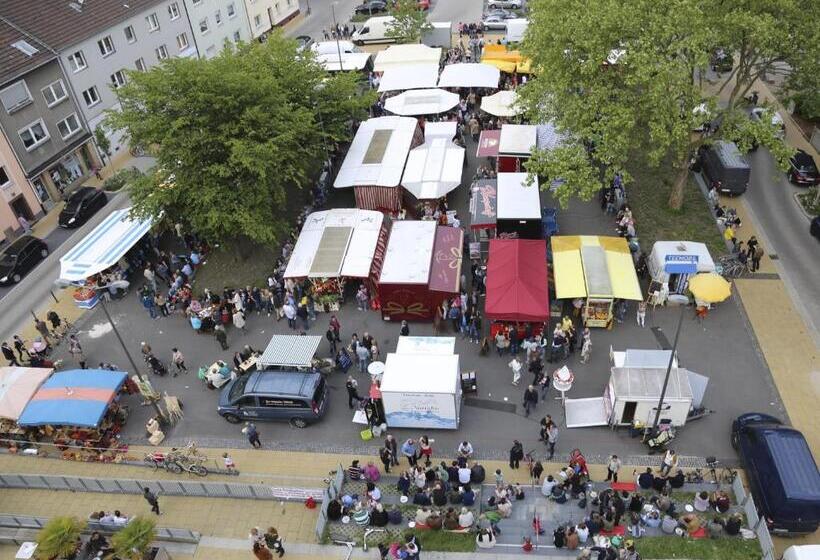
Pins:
x,y
583,532
466,518
594,523
477,474
107,518
354,471
652,518
467,495
677,480
733,524
379,517
659,483
609,522
403,485
95,544
454,496
664,502
334,510
371,472
646,480
439,496
517,491
421,516
119,518
394,516
361,515
691,523
634,527
485,539
571,539
451,520
422,499
548,485
715,527
96,515
702,501
559,495
373,492
504,508
669,524
434,521
636,503
720,501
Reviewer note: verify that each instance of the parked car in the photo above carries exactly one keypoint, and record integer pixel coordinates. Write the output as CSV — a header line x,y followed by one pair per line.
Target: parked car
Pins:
x,y
504,4
814,229
298,397
506,14
20,257
423,4
494,22
304,41
726,168
81,205
782,474
802,170
371,7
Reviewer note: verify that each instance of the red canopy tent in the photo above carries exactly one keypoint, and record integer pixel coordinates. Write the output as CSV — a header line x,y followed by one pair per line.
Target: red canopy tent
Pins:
x,y
517,281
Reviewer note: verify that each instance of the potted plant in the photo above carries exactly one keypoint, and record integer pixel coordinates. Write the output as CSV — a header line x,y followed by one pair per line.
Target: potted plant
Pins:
x,y
60,538
134,540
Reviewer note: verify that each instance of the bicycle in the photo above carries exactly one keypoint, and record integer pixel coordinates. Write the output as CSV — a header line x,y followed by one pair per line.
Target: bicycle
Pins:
x,y
730,267
723,475
694,477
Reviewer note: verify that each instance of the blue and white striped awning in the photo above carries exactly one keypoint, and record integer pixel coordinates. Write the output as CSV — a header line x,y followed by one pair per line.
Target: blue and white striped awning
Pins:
x,y
103,247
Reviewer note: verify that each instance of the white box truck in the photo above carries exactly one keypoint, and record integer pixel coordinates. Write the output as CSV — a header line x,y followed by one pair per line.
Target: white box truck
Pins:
x,y
374,30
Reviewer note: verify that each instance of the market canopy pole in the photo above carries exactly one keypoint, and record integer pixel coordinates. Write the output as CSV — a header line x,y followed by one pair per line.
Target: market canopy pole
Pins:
x,y
668,370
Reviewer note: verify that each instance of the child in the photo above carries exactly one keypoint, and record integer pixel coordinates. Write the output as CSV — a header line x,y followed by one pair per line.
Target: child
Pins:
x,y
229,464
499,478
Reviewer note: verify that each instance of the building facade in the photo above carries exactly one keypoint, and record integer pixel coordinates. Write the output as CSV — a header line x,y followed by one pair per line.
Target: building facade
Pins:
x,y
264,15
217,22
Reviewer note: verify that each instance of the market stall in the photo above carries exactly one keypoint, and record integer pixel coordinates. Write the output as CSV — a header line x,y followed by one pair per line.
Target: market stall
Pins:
x,y
515,145
517,285
469,75
422,266
333,247
421,102
671,263
509,61
414,76
398,56
375,162
639,359
17,387
483,207
519,207
287,352
598,270
434,168
349,62
488,144
97,261
502,104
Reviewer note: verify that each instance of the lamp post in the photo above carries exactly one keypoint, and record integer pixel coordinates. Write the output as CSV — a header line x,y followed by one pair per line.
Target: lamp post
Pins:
x,y
336,29
668,370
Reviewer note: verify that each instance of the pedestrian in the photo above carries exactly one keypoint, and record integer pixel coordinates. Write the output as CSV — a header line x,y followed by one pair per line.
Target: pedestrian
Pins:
x,y
612,468
641,313
426,449
386,457
261,552
302,313
362,299
530,399
253,435
552,438
274,542
230,466
331,340
150,278
178,359
149,304
536,471
24,223
336,327
76,350
405,329
42,328
221,336
352,387
290,313
364,355
8,353
20,346
756,256
475,127
239,320
393,445
586,346
670,461
516,454
515,366
151,498
410,451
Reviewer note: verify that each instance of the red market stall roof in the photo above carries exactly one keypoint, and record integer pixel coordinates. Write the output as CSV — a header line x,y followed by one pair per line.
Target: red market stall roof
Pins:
x,y
488,143
445,274
517,281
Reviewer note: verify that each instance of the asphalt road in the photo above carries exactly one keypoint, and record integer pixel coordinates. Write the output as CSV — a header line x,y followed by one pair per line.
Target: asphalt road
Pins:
x,y
786,228
54,240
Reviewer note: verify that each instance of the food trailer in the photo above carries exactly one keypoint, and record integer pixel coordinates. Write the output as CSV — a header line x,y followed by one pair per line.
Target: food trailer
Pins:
x,y
673,262
515,145
519,207
598,270
422,267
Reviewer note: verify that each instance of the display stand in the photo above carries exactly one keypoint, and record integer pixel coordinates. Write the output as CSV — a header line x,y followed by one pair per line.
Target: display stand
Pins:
x,y
562,379
598,312
86,298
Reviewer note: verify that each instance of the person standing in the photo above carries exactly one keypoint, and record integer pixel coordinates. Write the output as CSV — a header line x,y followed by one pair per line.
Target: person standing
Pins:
x,y
8,353
386,457
670,461
410,451
221,336
641,316
516,454
515,366
150,279
24,223
405,329
76,350
552,438
331,340
586,346
253,435
364,355
756,256
613,466
290,314
352,387
42,328
152,500
178,359
336,327
20,346
530,399
391,444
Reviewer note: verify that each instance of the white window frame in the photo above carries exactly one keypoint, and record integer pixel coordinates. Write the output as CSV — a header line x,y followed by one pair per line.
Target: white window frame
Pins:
x,y
173,11
116,83
231,10
130,29
207,27
184,44
8,182
162,49
28,128
70,132
11,110
257,21
96,94
140,65
153,22
104,42
218,17
57,100
73,58
237,36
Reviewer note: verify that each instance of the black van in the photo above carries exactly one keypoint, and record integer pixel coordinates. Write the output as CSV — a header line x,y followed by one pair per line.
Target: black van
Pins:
x,y
726,168
782,473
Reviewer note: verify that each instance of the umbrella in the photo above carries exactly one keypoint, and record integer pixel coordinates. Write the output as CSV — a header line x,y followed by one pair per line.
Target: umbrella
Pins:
x,y
421,102
710,287
501,104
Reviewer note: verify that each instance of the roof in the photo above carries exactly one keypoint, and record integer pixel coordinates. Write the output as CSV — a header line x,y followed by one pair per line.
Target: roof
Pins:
x,y
411,76
420,373
60,24
13,61
299,384
517,280
17,386
77,397
517,139
796,468
547,137
287,350
333,47
403,55
469,75
445,274
103,247
648,382
350,61
421,102
662,249
516,199
593,266
440,345
409,252
730,155
378,153
434,168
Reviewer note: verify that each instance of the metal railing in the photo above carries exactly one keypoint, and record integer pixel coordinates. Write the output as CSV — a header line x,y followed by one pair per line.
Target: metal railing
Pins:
x,y
330,493
755,522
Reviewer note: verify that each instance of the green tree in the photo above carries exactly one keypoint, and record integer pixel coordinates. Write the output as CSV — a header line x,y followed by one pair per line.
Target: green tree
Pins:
x,y
626,78
235,135
410,22
59,538
134,540
103,143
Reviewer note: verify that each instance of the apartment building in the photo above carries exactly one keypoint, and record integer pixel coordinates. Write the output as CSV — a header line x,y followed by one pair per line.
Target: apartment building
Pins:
x,y
264,15
217,22
45,146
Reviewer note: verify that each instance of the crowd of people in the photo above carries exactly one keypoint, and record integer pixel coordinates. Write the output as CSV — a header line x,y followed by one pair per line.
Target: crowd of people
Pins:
x,y
265,544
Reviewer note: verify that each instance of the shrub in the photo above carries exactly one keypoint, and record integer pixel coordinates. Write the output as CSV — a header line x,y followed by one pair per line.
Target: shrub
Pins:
x,y
121,178
60,538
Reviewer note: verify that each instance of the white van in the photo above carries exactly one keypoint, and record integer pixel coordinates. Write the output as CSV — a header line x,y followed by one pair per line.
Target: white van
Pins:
x,y
333,47
373,31
515,29
802,552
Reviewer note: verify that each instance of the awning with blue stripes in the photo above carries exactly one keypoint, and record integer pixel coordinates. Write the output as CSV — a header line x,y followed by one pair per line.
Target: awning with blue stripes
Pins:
x,y
103,247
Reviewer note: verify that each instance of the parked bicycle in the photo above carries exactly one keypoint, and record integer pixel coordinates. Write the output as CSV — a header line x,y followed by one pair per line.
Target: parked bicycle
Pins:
x,y
162,461
729,266
720,475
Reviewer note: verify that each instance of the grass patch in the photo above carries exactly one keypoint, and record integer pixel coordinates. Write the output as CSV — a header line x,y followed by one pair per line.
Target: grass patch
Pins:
x,y
226,267
443,541
809,201
703,549
655,221
682,497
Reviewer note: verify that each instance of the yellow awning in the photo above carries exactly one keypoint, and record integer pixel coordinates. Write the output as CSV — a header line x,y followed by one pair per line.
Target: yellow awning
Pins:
x,y
503,65
523,67
622,276
568,275
568,267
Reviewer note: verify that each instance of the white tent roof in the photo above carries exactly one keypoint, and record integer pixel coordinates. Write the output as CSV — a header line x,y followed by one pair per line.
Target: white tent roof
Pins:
x,y
502,104
410,76
289,350
441,345
663,248
103,247
420,373
469,75
443,129
433,169
516,199
333,243
380,162
517,139
350,61
333,47
646,383
409,253
421,102
403,55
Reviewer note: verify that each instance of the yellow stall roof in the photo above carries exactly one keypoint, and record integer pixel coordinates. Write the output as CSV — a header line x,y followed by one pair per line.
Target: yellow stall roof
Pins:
x,y
572,274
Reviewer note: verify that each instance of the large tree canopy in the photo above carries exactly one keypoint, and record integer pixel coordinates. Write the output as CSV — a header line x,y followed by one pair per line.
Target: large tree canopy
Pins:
x,y
626,78
235,135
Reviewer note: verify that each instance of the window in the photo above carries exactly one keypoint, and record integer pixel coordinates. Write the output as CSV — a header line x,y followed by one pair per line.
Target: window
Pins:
x,y
173,11
237,36
182,41
130,36
277,8
77,61
197,2
106,45
54,93
153,22
4,177
162,52
34,134
231,10
140,64
16,96
257,21
69,126
118,79
91,96
218,17
25,47
203,26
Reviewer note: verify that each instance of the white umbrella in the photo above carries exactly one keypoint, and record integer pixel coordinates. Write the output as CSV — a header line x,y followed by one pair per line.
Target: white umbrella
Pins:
x,y
421,102
502,104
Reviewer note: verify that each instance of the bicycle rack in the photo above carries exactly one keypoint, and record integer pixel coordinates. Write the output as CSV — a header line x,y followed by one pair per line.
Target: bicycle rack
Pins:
x,y
368,532
349,546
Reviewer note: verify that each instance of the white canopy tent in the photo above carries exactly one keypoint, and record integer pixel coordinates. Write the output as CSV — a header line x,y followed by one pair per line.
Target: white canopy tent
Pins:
x,y
334,243
396,56
434,168
411,76
439,345
421,102
378,153
516,199
517,139
103,247
502,104
408,257
349,61
469,75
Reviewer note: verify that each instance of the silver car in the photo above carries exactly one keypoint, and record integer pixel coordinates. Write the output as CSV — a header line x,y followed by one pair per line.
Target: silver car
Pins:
x,y
494,22
492,4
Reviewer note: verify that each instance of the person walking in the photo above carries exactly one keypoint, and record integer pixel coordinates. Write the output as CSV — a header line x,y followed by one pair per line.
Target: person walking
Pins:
x,y
221,336
76,350
331,340
352,387
152,500
364,355
42,328
515,366
393,445
253,435
24,223
586,346
530,399
641,315
336,327
178,359
552,438
613,466
20,346
405,329
290,313
8,354
239,320
386,457
670,461
516,454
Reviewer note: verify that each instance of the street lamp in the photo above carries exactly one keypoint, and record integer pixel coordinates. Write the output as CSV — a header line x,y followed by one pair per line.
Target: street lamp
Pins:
x,y
336,29
668,370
